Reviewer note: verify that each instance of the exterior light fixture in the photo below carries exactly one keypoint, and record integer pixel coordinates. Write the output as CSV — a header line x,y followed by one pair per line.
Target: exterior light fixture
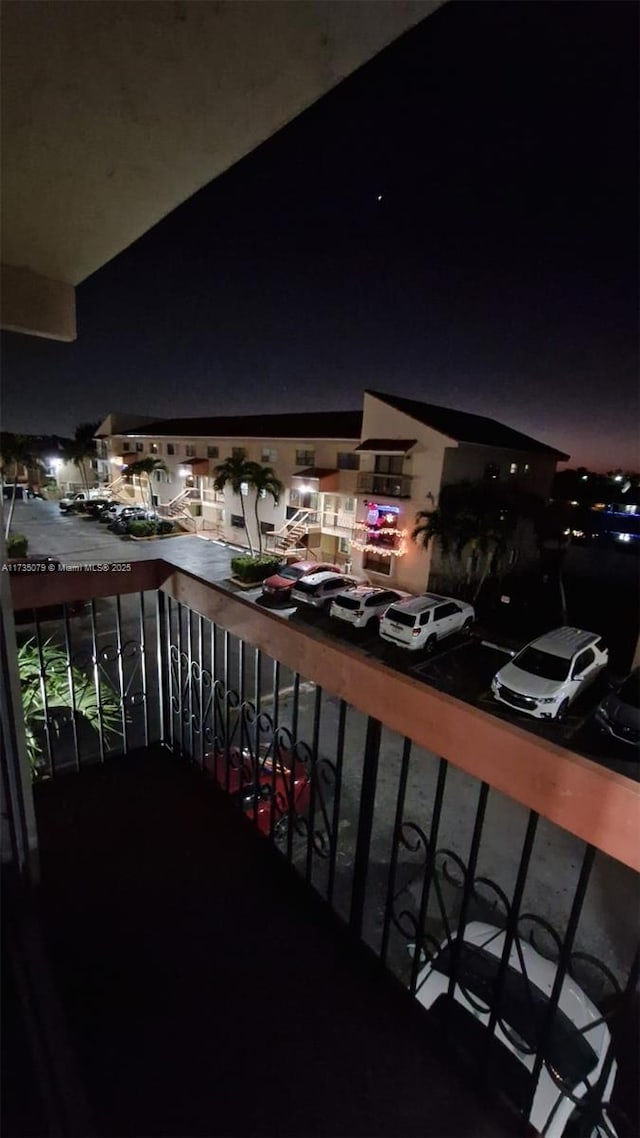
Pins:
x,y
183,473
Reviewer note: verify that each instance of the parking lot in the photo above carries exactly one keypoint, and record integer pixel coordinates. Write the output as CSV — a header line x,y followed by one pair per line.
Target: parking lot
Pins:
x,y
462,667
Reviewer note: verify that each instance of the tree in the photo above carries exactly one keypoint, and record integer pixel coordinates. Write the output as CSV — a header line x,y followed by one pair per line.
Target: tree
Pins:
x,y
147,467
16,451
472,526
264,481
81,448
236,472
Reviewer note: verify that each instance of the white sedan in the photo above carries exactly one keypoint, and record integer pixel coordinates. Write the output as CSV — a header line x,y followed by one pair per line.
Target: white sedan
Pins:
x,y
579,1041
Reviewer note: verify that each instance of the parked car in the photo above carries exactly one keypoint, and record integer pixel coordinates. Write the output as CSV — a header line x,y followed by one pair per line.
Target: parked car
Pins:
x,y
618,714
548,674
365,606
129,514
95,506
421,622
578,1047
267,795
318,589
278,587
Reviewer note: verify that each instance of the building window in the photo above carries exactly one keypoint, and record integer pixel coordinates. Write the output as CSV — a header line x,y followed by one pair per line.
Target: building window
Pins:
x,y
190,450
237,521
139,447
389,463
267,527
347,460
213,452
343,545
238,452
153,449
244,489
513,469
349,505
268,456
171,448
305,457
126,446
491,471
376,564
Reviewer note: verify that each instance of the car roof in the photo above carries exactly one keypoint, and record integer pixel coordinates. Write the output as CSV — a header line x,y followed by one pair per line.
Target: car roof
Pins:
x,y
564,642
419,604
318,578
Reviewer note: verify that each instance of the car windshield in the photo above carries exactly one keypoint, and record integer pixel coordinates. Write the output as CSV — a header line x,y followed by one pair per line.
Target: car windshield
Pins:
x,y
292,573
523,1008
542,664
630,691
401,617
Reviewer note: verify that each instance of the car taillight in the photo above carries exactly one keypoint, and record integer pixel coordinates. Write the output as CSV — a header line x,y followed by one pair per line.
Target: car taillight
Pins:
x,y
415,632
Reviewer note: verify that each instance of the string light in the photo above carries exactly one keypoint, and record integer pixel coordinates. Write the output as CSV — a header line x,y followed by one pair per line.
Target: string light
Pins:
x,y
382,529
365,548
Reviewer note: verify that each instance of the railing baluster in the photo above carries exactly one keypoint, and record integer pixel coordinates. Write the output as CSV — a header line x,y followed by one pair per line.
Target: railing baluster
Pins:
x,y
143,669
72,684
467,890
365,823
561,971
317,710
189,680
180,675
163,666
45,696
342,716
443,770
393,864
201,724
125,736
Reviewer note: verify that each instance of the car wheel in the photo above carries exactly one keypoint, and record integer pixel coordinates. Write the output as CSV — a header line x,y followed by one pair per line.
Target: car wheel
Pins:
x,y
467,626
561,713
431,644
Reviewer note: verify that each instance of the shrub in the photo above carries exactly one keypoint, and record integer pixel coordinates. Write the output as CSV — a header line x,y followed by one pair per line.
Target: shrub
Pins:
x,y
141,529
17,545
249,569
166,526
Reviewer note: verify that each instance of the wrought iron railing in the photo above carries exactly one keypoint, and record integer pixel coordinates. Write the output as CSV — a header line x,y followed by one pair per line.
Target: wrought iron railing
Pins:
x,y
482,879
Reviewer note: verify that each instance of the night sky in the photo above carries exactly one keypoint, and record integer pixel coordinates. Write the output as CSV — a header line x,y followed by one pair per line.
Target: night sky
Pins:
x,y
498,274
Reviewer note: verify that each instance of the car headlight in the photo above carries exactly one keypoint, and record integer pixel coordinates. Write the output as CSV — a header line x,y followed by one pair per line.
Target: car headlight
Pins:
x,y
495,683
546,699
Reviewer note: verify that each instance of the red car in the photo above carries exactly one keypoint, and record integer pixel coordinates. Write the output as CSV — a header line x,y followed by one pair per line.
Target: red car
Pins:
x,y
278,587
269,793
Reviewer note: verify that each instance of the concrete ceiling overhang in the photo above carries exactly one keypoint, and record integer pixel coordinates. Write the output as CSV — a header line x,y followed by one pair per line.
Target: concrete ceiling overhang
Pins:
x,y
113,113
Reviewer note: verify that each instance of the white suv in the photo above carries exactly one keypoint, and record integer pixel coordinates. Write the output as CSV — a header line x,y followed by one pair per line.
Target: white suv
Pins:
x,y
422,621
547,675
319,589
363,606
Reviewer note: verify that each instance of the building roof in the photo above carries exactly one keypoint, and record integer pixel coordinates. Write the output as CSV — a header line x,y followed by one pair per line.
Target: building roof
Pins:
x,y
388,446
316,472
300,426
465,427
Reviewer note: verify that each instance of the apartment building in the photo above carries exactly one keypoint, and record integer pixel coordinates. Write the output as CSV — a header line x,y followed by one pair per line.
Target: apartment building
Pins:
x,y
354,481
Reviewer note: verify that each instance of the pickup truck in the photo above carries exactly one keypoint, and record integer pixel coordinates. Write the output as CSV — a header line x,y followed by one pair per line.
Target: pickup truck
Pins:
x,y
74,501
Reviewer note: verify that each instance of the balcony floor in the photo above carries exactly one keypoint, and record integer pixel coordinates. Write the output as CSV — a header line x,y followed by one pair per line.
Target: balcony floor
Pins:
x,y
207,991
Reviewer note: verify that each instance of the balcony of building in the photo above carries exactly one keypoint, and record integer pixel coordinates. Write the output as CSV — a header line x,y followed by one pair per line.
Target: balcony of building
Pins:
x,y
384,485
245,830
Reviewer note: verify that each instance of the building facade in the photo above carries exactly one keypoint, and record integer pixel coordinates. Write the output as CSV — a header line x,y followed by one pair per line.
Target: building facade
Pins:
x,y
353,481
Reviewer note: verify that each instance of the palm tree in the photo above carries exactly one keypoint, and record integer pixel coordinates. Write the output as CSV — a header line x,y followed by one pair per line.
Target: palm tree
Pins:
x,y
474,518
264,481
236,472
147,467
16,451
82,447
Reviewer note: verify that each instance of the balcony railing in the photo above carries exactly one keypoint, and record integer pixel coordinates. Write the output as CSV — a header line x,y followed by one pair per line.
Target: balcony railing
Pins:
x,y
471,857
387,485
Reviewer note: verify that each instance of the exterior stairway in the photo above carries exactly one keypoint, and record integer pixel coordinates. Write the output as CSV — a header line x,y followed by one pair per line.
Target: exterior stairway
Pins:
x,y
177,510
290,535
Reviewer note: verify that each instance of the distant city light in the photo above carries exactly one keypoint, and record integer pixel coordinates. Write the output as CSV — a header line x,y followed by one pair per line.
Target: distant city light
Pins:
x,y
584,477
617,478
379,198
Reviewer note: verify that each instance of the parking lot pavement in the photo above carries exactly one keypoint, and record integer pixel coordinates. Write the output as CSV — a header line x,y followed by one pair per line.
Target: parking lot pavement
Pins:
x,y
462,667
